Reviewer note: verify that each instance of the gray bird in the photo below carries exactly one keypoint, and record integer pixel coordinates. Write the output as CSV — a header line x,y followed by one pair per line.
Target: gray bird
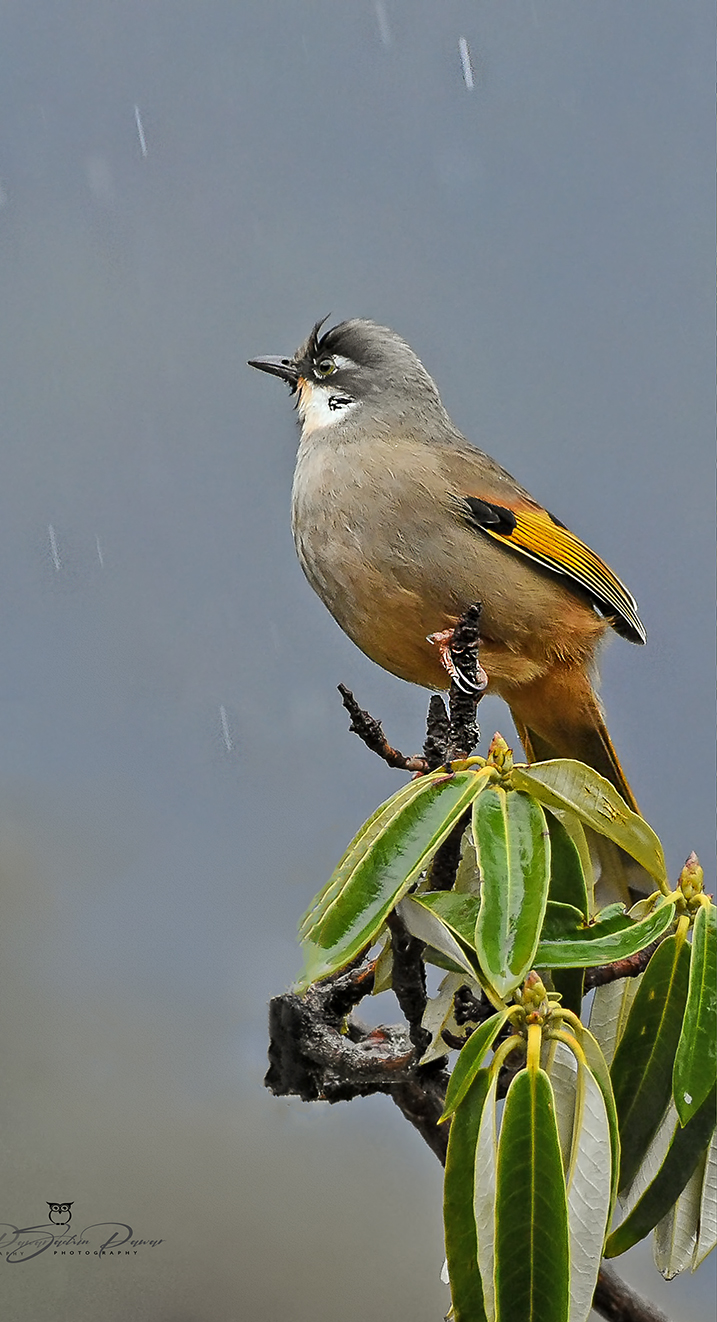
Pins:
x,y
400,524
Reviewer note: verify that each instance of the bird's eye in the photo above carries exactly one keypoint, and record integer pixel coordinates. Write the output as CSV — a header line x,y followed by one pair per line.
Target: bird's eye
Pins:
x,y
325,366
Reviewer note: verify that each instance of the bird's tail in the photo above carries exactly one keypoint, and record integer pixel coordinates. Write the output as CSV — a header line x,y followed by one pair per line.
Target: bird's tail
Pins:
x,y
559,715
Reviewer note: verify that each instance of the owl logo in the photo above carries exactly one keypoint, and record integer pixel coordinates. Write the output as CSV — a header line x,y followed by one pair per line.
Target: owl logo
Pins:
x,y
60,1214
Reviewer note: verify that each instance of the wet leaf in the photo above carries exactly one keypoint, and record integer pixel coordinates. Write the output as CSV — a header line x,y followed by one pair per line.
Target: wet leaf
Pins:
x,y
458,912
603,941
696,1059
567,877
513,848
600,1072
707,1238
531,1214
589,1194
470,1060
458,1204
438,1015
642,1066
609,1011
675,1236
561,1067
484,1205
361,844
567,784
683,1154
378,868
428,927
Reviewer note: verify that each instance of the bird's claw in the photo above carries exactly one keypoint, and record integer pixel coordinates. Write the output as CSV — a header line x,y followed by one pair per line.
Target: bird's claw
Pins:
x,y
442,640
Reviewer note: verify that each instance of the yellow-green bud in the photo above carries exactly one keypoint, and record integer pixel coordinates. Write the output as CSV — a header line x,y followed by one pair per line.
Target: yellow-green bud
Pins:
x,y
500,755
691,881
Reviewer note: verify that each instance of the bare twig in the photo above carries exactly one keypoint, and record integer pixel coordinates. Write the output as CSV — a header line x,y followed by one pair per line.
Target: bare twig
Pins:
x,y
622,968
408,979
466,693
435,748
447,857
371,732
615,1300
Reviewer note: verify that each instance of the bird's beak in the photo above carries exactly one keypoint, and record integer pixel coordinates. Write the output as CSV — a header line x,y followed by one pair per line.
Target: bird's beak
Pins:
x,y
286,368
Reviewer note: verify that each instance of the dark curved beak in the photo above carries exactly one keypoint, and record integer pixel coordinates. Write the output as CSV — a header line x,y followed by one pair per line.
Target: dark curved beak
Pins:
x,y
284,367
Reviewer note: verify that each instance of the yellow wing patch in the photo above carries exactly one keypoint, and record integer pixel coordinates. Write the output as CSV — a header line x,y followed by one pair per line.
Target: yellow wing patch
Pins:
x,y
536,536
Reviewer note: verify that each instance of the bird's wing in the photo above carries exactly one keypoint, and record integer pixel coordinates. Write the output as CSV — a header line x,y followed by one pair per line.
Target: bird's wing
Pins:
x,y
533,532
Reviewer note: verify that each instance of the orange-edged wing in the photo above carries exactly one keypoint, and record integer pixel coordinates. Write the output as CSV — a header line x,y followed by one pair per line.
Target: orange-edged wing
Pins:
x,y
534,533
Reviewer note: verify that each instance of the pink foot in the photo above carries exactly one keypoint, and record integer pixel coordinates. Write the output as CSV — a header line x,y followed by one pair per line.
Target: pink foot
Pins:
x,y
442,640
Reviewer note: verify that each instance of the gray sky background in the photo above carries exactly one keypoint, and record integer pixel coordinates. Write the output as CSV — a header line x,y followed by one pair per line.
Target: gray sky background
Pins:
x,y
545,242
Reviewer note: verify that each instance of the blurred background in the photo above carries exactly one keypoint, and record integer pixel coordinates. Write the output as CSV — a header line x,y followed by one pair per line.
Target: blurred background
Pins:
x,y
523,189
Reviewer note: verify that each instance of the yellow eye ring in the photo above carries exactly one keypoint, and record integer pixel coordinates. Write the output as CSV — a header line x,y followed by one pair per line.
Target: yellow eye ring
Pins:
x,y
325,366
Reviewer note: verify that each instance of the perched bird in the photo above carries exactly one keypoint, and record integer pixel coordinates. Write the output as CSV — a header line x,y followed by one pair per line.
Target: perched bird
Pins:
x,y
400,524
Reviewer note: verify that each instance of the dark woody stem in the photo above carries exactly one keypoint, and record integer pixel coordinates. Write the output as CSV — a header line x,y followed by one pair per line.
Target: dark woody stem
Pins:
x,y
318,1050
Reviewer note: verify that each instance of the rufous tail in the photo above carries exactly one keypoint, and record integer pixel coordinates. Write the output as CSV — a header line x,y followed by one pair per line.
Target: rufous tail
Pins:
x,y
559,715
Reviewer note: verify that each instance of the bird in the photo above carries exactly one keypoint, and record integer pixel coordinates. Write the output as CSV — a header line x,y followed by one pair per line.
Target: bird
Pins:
x,y
400,524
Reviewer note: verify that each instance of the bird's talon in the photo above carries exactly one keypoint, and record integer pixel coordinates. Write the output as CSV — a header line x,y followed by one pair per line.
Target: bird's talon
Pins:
x,y
443,640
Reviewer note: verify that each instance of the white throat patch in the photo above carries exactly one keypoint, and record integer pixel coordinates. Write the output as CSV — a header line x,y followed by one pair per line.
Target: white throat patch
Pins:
x,y
320,406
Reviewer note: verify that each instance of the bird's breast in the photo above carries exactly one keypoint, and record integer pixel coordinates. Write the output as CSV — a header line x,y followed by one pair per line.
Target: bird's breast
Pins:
x,y
379,536
366,529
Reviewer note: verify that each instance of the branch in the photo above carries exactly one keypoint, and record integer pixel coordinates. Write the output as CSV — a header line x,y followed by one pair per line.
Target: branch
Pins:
x,y
631,967
318,1052
408,979
467,686
370,730
615,1300
447,740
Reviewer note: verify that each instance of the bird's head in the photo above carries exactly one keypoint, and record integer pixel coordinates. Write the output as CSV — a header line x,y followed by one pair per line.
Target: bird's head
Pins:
x,y
356,365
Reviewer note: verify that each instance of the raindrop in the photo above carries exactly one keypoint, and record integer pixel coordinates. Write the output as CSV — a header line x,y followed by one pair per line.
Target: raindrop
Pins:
x,y
226,734
140,132
466,65
53,548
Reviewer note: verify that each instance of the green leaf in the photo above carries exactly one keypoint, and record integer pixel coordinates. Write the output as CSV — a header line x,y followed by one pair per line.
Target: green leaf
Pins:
x,y
604,941
469,1061
675,1236
561,1067
362,842
567,784
567,878
428,927
562,922
383,968
458,1208
378,868
609,1011
459,912
570,983
513,847
467,880
683,1154
438,1015
600,1072
589,1193
578,835
707,1238
642,1066
696,1059
485,1173
531,1215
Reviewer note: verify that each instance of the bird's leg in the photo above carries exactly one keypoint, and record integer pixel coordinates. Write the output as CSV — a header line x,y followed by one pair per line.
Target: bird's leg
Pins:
x,y
449,660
